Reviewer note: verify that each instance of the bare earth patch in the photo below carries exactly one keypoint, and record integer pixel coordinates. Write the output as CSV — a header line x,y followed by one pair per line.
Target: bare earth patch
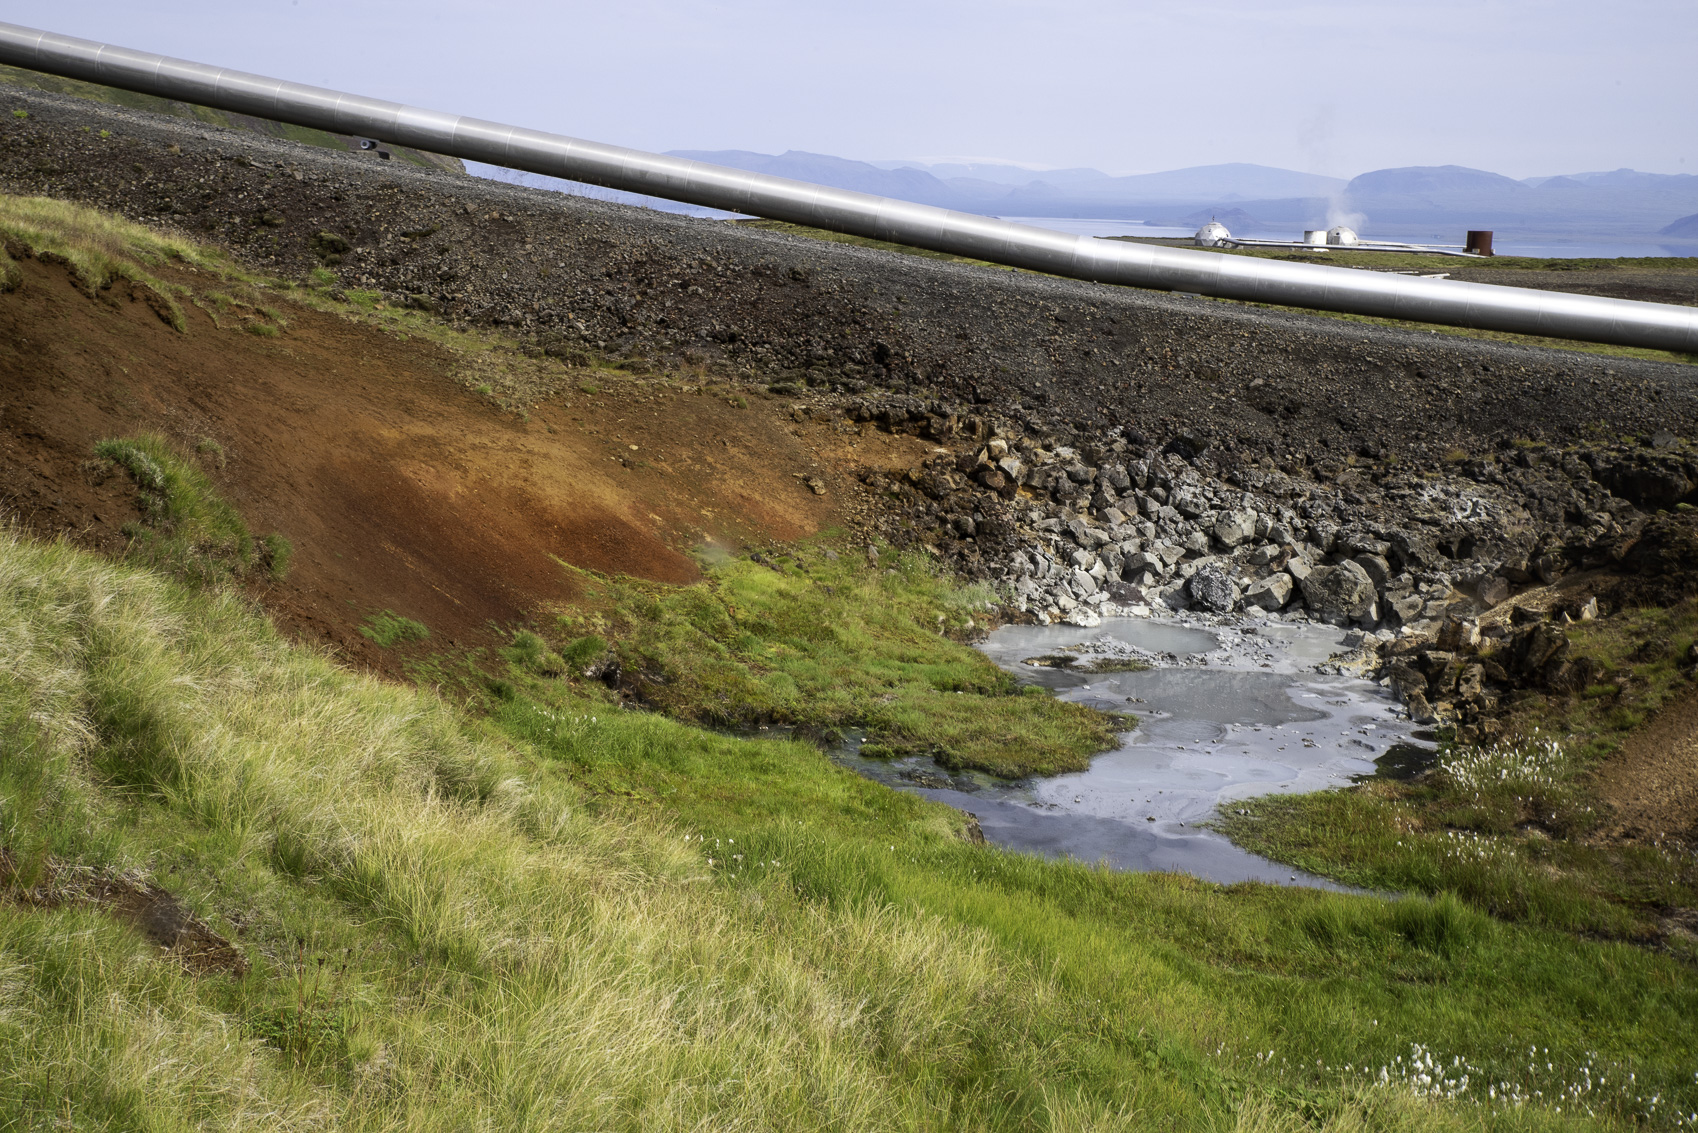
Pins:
x,y
1652,785
399,487
155,913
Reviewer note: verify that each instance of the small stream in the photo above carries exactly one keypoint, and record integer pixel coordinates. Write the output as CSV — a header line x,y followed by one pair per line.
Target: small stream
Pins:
x,y
1225,713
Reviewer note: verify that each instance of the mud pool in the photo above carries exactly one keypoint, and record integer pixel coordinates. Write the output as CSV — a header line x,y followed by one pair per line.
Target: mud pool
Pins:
x,y
1225,713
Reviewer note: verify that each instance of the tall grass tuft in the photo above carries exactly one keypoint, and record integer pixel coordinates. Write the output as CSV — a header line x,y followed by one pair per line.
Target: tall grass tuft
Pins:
x,y
186,528
825,642
577,975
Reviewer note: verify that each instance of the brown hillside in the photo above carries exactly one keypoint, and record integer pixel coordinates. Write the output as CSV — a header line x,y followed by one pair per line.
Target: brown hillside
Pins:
x,y
400,488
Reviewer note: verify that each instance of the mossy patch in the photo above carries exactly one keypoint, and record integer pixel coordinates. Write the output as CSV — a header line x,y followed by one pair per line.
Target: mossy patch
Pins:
x,y
806,638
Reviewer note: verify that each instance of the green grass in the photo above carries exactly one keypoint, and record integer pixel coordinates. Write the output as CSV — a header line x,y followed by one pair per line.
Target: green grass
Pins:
x,y
825,643
389,629
1640,661
99,249
277,552
570,916
186,528
1433,837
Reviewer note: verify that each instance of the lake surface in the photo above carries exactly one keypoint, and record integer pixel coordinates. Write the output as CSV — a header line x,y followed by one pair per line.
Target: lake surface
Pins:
x,y
1228,713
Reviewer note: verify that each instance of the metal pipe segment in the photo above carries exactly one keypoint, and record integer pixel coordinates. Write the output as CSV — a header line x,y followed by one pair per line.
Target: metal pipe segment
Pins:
x,y
1658,326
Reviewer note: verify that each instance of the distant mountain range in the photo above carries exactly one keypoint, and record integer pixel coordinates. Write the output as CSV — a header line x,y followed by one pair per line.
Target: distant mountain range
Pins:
x,y
1622,204
1015,191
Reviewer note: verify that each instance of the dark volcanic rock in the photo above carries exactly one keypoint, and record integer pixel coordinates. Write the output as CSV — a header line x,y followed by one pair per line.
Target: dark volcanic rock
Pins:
x,y
1661,566
1220,381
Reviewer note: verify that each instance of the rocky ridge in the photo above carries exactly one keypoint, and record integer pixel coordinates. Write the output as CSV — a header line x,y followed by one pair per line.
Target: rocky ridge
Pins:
x,y
1077,527
567,273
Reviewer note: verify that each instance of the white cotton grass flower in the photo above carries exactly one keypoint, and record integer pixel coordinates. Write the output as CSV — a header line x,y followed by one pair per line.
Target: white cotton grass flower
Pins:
x,y
1541,761
1585,1088
1468,846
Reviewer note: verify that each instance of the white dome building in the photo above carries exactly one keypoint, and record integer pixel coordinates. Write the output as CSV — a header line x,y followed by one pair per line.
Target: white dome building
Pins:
x,y
1212,235
1342,235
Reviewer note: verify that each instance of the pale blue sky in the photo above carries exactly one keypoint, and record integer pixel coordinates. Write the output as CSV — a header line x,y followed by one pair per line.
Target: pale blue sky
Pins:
x,y
1515,86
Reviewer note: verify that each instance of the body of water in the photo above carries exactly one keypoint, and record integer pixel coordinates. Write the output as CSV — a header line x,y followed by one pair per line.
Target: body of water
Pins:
x,y
1231,713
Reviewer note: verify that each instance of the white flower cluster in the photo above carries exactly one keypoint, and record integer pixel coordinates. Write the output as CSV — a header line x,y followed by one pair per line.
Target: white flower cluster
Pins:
x,y
1428,1077
1467,846
558,724
1536,762
1589,1088
733,862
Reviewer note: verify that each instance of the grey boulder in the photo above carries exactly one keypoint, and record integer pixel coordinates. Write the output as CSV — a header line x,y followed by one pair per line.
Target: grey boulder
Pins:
x,y
1235,527
1378,569
1339,594
1270,593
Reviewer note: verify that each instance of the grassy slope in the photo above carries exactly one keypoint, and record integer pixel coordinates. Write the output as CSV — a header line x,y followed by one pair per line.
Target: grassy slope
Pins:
x,y
1507,827
101,249
547,924
538,917
186,528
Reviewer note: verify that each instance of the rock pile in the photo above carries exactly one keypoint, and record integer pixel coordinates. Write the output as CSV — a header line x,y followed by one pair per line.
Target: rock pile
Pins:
x,y
1151,529
1083,526
1462,673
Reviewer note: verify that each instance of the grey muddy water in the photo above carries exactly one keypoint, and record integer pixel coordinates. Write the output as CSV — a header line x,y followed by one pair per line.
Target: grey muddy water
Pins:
x,y
1224,713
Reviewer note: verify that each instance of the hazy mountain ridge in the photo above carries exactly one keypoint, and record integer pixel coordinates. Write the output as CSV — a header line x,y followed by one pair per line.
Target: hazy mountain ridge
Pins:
x,y
976,185
1621,202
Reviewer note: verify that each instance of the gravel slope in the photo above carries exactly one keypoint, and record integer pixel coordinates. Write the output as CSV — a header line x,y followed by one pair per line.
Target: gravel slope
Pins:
x,y
1053,353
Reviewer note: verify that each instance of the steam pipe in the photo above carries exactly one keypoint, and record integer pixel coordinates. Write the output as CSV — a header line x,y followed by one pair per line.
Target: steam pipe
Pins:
x,y
1623,322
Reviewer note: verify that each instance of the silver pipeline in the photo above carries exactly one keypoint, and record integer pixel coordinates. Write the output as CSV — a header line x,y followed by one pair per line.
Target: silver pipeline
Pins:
x,y
1623,322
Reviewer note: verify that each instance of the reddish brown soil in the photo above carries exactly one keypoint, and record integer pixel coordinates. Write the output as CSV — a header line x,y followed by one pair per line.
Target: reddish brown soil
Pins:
x,y
1652,784
399,488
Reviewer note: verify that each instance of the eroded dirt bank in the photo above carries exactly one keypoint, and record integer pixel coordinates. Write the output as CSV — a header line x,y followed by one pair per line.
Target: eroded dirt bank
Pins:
x,y
398,486
570,273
